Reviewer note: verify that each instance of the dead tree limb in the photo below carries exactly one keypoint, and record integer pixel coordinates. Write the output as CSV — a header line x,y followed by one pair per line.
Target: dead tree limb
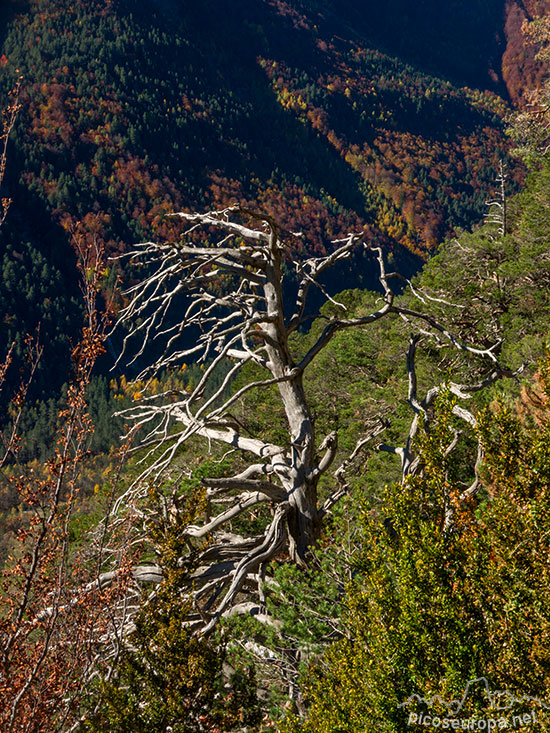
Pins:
x,y
233,281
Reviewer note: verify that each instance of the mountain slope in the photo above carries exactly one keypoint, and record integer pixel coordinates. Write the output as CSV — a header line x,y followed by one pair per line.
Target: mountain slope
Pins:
x,y
301,108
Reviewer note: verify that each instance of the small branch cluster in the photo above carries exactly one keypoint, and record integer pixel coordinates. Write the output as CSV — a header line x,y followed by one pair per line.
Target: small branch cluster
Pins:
x,y
55,622
9,117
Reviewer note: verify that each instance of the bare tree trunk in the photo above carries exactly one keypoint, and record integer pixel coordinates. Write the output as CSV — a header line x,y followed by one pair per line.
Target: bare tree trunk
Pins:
x,y
247,323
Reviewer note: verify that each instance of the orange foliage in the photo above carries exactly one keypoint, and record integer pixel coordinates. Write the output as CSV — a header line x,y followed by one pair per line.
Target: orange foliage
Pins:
x,y
51,122
54,612
293,208
401,168
521,71
299,21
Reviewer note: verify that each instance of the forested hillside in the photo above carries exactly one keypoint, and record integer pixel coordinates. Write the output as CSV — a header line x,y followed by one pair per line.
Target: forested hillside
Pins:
x,y
284,464
330,118
430,470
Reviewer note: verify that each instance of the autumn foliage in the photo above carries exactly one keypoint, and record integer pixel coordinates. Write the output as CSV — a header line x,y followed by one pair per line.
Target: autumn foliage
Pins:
x,y
54,612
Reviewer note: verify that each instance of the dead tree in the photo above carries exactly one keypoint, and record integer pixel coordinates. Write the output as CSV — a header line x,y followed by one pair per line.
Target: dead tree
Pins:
x,y
233,280
496,213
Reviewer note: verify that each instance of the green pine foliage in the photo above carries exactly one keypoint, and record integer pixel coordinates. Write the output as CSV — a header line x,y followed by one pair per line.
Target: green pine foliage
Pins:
x,y
426,611
500,284
412,619
429,610
167,678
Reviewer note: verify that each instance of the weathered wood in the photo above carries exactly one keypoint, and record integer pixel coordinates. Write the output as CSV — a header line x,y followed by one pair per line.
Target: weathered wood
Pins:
x,y
247,323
